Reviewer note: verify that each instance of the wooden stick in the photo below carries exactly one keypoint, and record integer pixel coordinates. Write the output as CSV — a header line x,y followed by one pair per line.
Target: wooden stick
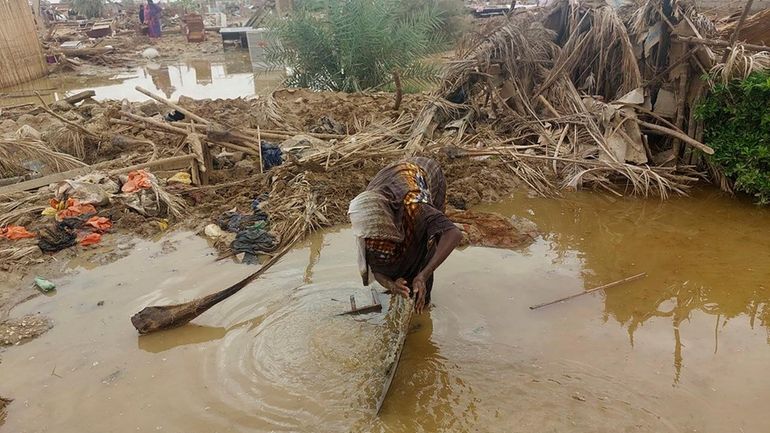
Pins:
x,y
153,122
677,62
259,144
176,107
738,27
399,90
585,292
235,147
719,43
70,123
677,134
174,162
548,106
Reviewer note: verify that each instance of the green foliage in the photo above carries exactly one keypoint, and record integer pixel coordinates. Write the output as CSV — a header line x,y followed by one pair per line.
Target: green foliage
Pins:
x,y
455,19
737,126
354,45
89,8
189,5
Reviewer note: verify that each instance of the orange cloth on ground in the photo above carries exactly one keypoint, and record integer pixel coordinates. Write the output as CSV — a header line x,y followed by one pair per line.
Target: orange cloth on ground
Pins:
x,y
91,239
100,224
137,180
15,232
71,208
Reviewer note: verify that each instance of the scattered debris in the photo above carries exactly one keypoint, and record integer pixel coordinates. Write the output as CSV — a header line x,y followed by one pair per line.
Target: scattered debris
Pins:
x,y
14,332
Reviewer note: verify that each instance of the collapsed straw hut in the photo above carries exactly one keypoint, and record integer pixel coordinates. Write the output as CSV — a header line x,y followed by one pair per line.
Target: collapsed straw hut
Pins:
x,y
579,94
21,56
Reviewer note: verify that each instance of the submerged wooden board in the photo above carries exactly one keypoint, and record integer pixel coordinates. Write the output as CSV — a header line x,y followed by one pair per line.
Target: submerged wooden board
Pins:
x,y
401,311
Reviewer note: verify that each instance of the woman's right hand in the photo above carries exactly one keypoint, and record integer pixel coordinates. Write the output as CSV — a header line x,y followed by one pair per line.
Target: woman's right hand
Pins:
x,y
400,287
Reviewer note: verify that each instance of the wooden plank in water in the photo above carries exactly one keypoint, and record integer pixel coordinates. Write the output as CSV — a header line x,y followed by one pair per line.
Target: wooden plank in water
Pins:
x,y
390,370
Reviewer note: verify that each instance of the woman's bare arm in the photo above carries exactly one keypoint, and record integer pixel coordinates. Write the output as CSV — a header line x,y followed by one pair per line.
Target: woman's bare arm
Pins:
x,y
397,286
449,240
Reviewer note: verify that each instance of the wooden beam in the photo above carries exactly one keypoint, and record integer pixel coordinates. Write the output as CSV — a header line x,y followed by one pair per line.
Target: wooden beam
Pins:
x,y
44,181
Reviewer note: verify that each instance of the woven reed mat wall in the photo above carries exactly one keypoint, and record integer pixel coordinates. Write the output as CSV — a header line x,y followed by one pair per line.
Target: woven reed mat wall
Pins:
x,y
21,56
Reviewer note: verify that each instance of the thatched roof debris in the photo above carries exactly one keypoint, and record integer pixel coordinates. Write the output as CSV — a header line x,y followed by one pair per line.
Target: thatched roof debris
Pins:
x,y
583,94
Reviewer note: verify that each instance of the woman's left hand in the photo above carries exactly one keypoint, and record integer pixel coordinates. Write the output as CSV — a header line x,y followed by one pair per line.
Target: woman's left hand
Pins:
x,y
418,287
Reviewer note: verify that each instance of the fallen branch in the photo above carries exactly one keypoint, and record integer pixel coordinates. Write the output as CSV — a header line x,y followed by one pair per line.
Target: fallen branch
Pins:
x,y
677,134
606,286
152,319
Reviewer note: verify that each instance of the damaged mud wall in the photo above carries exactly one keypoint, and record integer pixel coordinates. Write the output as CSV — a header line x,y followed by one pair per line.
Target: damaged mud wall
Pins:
x,y
21,56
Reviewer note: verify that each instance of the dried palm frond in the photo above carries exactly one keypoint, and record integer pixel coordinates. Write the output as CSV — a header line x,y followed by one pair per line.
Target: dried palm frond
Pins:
x,y
598,47
173,204
10,254
267,111
15,154
16,215
68,140
739,65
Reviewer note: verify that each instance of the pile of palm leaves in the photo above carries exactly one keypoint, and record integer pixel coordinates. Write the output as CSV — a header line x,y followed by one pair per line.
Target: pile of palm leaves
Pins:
x,y
558,94
354,45
19,156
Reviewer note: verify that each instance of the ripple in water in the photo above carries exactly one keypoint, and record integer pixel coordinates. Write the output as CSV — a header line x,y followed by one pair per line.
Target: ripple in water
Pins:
x,y
300,366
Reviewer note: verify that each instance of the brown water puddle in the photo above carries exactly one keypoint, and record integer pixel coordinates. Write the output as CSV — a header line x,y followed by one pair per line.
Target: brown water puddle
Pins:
x,y
685,349
198,79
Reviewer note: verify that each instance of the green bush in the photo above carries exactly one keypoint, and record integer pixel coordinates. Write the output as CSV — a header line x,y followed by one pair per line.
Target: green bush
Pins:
x,y
89,8
737,126
354,45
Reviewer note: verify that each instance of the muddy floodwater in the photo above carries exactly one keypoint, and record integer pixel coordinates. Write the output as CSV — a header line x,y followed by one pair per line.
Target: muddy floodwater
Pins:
x,y
234,77
684,350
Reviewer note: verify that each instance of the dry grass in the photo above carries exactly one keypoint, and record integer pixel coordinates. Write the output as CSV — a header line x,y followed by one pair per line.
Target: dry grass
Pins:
x,y
15,153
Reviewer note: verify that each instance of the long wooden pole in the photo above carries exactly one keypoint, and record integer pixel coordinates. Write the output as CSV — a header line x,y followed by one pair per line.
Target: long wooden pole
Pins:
x,y
738,27
606,286
176,107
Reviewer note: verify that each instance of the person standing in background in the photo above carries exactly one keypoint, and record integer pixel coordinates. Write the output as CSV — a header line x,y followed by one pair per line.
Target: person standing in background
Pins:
x,y
152,16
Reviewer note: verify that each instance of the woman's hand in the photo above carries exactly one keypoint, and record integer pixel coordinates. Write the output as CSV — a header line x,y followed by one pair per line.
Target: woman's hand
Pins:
x,y
400,287
418,285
